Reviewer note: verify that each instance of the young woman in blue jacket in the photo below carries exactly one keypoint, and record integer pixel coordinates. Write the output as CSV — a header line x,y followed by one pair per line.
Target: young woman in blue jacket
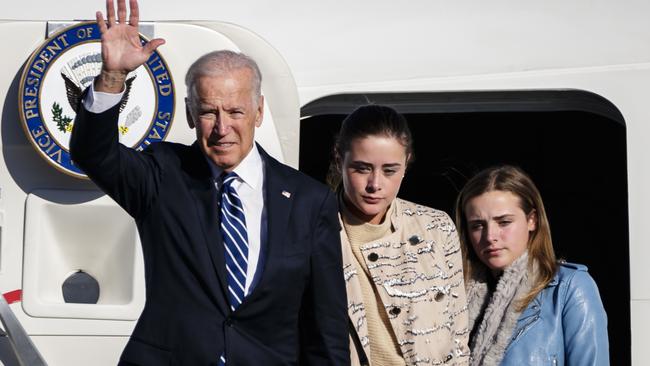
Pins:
x,y
525,307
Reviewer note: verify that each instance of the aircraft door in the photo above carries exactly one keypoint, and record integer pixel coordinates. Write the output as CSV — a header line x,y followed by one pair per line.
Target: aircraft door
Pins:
x,y
70,259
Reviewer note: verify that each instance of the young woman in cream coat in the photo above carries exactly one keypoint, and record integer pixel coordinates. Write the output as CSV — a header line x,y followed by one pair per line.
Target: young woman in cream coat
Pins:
x,y
402,261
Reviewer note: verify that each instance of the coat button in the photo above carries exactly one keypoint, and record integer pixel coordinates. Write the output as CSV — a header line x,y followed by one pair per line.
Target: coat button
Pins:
x,y
373,257
228,322
395,311
439,296
415,240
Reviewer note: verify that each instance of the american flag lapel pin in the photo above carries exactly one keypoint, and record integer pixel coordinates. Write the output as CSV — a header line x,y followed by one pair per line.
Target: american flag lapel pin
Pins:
x,y
286,194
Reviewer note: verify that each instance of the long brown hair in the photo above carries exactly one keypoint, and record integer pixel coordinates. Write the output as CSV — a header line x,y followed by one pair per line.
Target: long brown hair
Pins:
x,y
511,179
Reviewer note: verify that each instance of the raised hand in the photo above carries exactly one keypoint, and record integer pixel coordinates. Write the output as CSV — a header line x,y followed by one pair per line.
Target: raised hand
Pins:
x,y
122,51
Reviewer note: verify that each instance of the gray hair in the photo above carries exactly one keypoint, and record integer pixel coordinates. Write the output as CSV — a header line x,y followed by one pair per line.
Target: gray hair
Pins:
x,y
218,63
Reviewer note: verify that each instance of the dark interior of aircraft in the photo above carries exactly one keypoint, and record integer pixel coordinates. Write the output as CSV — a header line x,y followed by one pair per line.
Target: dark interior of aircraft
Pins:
x,y
572,143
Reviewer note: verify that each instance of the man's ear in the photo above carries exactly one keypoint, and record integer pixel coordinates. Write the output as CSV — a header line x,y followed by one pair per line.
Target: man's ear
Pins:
x,y
260,111
188,113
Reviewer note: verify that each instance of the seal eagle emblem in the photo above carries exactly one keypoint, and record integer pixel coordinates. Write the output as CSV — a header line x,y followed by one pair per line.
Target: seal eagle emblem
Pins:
x,y
53,83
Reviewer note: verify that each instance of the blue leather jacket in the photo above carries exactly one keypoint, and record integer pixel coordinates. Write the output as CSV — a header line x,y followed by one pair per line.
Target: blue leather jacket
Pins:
x,y
565,324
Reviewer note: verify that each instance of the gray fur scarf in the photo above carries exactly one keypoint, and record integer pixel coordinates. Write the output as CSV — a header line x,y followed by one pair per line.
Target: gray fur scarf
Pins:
x,y
498,309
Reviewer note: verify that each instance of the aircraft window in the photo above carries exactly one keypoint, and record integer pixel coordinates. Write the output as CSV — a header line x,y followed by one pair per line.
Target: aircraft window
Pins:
x,y
571,142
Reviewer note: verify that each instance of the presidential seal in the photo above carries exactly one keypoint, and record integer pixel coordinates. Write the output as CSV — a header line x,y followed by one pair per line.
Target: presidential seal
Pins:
x,y
55,78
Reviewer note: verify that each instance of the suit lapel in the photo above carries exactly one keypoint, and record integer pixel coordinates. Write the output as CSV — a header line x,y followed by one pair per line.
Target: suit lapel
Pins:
x,y
204,193
278,201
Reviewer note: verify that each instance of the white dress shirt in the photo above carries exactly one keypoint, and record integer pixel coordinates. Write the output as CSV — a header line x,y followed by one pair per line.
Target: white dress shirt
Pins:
x,y
249,186
98,102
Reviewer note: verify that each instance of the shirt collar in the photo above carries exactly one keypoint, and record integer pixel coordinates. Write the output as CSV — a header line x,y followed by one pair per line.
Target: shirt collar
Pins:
x,y
249,169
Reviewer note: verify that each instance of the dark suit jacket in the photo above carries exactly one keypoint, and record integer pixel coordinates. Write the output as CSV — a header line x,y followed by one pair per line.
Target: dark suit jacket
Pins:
x,y
297,312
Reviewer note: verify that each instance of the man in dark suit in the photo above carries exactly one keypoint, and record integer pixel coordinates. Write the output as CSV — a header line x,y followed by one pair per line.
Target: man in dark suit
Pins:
x,y
242,253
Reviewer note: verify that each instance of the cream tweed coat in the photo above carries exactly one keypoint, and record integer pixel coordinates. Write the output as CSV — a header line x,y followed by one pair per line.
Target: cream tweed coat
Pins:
x,y
418,273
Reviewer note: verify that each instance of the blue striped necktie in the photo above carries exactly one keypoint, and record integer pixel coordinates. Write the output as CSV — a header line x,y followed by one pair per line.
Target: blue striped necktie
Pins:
x,y
235,241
